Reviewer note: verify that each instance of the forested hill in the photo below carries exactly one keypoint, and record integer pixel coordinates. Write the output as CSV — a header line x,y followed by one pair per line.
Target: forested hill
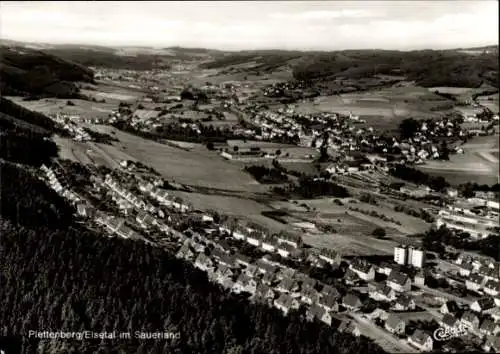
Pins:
x,y
428,68
29,72
56,275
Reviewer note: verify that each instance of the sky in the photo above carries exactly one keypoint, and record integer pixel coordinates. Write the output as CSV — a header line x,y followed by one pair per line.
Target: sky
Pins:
x,y
233,25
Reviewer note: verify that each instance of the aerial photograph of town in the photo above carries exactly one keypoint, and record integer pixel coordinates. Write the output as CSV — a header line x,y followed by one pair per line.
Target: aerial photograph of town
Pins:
x,y
249,177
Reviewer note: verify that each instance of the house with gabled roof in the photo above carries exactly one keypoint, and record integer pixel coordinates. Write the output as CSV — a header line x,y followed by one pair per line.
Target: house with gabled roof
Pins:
x,y
328,290
223,271
227,283
382,292
395,324
470,320
449,321
285,250
483,305
264,292
286,272
309,296
492,287
286,303
242,260
475,282
398,281
287,285
329,303
351,277
316,312
254,238
264,267
349,327
404,303
185,252
269,278
203,262
145,220
269,244
251,270
489,327
363,269
351,301
307,282
492,344
449,307
421,340
244,283
287,238
465,269
330,256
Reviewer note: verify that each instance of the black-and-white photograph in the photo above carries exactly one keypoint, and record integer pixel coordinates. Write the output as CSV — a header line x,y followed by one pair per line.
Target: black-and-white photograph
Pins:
x,y
249,177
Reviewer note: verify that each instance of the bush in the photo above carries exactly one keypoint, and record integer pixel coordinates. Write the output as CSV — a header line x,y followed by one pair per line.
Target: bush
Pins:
x,y
378,232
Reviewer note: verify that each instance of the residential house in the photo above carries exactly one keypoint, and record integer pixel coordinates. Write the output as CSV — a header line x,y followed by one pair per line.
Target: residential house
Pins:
x,y
264,292
419,279
351,277
398,281
450,307
254,238
223,272
251,270
421,340
475,282
269,244
382,292
185,252
286,303
349,327
449,321
85,210
492,344
395,324
351,301
286,273
307,282
483,305
264,267
227,283
244,283
293,240
203,262
145,220
363,269
317,312
287,285
328,290
495,315
285,250
329,303
465,269
330,256
269,278
385,268
242,260
239,234
226,259
404,303
492,287
488,327
309,296
470,320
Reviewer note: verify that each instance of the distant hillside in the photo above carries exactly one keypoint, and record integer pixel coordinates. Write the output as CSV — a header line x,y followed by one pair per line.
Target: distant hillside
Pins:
x,y
29,72
427,68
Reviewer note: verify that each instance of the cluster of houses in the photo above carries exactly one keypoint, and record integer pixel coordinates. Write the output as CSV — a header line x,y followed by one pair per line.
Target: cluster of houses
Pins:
x,y
163,197
477,226
54,178
69,124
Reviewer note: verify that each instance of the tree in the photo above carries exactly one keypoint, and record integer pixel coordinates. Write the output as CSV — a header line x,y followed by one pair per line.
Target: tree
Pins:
x,y
278,152
379,232
210,146
236,149
408,127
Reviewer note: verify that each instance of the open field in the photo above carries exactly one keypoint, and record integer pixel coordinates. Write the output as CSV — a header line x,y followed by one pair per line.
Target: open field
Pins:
x,y
233,206
478,163
380,108
200,168
491,102
81,108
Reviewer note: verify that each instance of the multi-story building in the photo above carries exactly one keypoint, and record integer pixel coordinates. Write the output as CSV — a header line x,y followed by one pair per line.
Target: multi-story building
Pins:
x,y
409,255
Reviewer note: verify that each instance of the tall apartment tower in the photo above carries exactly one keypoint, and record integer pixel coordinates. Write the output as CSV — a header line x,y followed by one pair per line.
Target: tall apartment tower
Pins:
x,y
405,255
400,255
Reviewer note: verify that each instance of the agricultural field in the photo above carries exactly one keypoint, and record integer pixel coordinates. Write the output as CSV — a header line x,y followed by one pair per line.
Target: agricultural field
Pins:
x,y
491,102
233,206
479,163
80,108
199,168
384,108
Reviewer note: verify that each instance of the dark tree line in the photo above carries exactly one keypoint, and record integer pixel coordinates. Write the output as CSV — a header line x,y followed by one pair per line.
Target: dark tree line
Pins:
x,y
413,175
436,239
309,187
266,175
